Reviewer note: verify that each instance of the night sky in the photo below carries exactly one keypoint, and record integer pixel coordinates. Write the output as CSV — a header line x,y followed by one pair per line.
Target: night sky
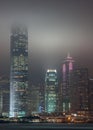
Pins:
x,y
55,27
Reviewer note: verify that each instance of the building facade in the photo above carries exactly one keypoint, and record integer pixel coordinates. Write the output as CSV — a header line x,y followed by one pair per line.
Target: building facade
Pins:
x,y
34,99
91,96
4,96
81,90
67,83
19,71
51,91
41,97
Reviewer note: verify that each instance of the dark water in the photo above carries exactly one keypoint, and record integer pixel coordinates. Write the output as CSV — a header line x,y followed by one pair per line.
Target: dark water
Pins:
x,y
45,126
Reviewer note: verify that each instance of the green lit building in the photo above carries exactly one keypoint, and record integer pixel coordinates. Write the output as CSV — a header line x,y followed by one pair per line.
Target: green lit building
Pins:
x,y
51,91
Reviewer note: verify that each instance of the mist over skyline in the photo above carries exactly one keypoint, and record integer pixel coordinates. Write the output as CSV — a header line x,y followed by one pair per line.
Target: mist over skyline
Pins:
x,y
55,27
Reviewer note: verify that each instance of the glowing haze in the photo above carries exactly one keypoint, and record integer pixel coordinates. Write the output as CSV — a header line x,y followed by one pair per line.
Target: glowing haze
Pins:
x,y
55,27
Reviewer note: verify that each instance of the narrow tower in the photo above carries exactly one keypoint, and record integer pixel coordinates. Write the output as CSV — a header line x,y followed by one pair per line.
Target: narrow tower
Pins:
x,y
51,91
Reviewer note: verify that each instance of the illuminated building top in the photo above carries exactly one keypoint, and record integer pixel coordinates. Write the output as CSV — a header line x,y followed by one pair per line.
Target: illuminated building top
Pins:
x,y
51,70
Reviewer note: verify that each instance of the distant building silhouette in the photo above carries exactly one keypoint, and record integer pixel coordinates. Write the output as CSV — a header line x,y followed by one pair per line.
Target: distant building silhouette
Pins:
x,y
4,96
91,96
80,102
34,99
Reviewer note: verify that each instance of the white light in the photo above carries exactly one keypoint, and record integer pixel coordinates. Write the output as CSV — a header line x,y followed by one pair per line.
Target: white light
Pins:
x,y
50,70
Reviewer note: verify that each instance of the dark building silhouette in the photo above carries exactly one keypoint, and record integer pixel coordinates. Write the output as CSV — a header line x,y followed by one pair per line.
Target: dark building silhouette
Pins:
x,y
80,102
4,96
91,96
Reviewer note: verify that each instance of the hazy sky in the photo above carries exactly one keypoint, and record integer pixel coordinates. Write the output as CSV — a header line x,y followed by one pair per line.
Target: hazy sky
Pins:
x,y
55,27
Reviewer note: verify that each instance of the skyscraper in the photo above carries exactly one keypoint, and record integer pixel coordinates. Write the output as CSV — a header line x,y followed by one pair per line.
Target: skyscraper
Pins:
x,y
51,91
67,83
81,86
19,71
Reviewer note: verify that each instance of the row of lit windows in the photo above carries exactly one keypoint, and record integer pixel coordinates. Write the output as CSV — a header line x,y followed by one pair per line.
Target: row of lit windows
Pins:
x,y
19,60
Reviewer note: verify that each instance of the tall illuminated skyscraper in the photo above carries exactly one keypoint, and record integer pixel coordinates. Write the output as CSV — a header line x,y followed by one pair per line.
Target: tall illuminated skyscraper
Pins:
x,y
67,83
51,91
19,71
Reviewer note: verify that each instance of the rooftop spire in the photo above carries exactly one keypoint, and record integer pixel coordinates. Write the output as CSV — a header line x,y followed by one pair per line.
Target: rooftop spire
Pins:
x,y
68,55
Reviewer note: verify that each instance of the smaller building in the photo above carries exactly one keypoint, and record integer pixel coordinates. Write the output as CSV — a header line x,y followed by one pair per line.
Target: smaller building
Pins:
x,y
4,96
91,96
34,99
51,91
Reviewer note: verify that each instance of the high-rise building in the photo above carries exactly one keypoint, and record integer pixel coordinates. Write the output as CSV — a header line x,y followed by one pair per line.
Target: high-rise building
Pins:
x,y
81,90
67,83
51,91
4,96
19,71
41,97
34,99
91,96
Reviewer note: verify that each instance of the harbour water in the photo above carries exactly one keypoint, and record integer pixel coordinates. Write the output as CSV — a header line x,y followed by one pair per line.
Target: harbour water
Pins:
x,y
45,126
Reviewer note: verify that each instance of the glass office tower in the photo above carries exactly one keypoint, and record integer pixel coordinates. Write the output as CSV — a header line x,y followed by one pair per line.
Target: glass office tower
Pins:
x,y
81,96
19,71
67,83
51,91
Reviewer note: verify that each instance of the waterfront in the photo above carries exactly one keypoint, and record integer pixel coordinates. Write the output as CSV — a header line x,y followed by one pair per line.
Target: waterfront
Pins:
x,y
43,126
